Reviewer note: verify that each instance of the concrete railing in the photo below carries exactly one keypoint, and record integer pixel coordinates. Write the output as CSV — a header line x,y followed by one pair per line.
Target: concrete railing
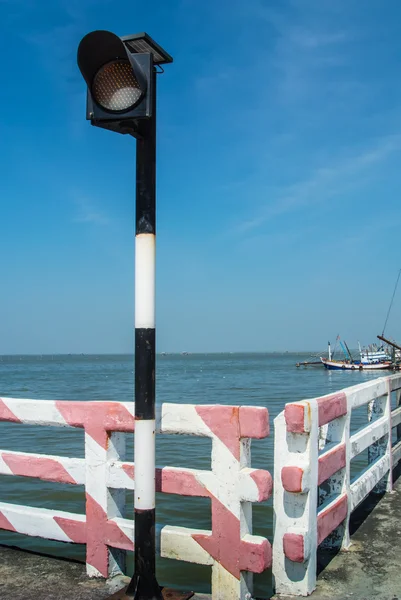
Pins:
x,y
229,548
314,495
313,498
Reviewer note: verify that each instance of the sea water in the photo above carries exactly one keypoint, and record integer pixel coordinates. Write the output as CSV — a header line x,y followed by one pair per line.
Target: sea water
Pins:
x,y
268,380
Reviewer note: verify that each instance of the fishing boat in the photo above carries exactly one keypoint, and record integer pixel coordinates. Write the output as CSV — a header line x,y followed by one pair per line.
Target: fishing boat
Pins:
x,y
374,354
372,358
336,365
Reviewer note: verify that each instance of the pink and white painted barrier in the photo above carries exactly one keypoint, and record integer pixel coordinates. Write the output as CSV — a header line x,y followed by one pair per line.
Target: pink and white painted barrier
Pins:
x,y
313,492
232,485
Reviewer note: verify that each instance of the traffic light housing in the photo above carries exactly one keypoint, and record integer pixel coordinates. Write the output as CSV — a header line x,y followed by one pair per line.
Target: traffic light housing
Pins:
x,y
120,80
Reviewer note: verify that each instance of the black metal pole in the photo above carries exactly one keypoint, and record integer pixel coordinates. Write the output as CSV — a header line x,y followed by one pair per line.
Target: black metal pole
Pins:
x,y
143,585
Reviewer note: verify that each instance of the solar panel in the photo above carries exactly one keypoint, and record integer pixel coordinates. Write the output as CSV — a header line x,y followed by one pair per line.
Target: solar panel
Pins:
x,y
143,43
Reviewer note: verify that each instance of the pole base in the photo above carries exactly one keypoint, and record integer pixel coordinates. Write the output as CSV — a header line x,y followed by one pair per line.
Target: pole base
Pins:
x,y
166,594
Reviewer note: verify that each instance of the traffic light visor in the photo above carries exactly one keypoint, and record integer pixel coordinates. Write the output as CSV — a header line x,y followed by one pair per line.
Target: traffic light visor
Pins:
x,y
114,83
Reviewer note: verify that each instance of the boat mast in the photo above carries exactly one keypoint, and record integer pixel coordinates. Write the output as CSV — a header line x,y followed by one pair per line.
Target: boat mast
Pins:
x,y
381,337
344,350
391,303
335,347
350,355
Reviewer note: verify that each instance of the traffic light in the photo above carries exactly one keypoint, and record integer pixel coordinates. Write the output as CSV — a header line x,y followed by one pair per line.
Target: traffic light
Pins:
x,y
121,77
119,73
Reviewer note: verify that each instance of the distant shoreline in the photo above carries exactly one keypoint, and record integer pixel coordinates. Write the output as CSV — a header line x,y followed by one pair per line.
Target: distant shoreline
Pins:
x,y
163,354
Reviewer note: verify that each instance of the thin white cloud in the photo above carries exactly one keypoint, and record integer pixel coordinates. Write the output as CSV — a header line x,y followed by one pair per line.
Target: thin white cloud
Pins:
x,y
57,45
324,182
87,212
305,61
57,50
313,82
303,42
312,39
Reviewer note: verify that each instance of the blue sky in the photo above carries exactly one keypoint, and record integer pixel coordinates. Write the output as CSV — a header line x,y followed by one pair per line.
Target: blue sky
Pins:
x,y
279,203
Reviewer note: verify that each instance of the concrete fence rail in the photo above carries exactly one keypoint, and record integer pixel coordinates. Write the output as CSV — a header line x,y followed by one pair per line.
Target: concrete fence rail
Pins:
x,y
313,492
232,485
314,495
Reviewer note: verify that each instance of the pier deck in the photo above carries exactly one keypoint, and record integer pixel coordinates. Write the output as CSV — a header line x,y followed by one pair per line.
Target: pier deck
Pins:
x,y
370,569
26,575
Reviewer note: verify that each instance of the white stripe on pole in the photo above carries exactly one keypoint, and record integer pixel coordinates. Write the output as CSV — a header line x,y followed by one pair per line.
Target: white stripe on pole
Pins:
x,y
145,256
144,464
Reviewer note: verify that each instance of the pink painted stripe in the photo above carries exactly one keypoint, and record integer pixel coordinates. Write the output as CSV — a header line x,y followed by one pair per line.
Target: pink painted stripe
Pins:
x,y
253,422
97,554
171,480
75,530
331,518
174,481
100,533
255,557
231,423
117,417
291,478
74,413
264,481
225,545
294,415
294,547
331,407
98,418
6,414
5,523
130,471
44,468
116,538
223,421
331,462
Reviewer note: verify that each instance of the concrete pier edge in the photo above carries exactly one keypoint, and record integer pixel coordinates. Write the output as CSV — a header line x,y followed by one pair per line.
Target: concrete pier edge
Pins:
x,y
369,570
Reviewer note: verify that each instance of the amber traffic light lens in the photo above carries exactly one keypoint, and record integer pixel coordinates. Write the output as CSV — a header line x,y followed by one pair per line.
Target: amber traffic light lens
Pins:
x,y
115,87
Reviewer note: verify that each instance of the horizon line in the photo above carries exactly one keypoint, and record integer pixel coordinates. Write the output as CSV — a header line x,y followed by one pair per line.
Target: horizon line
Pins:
x,y
163,353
